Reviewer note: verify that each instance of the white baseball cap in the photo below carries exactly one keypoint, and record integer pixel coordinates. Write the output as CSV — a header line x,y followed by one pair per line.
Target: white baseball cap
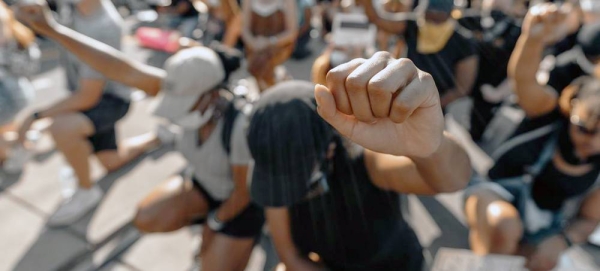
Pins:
x,y
190,74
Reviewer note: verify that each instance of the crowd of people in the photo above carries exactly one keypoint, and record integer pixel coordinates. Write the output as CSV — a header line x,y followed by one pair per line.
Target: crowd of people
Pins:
x,y
321,164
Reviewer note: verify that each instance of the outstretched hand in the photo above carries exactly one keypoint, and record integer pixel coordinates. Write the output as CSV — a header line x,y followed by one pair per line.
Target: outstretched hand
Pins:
x,y
384,104
37,16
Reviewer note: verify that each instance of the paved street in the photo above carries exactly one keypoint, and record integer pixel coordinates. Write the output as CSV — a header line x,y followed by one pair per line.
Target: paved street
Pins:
x,y
105,239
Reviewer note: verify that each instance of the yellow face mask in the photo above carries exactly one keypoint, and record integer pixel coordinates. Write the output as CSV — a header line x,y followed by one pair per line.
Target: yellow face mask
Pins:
x,y
433,37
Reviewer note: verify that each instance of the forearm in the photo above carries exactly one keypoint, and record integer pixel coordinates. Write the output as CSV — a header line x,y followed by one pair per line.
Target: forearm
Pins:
x,y
233,32
446,170
233,206
581,229
524,64
107,60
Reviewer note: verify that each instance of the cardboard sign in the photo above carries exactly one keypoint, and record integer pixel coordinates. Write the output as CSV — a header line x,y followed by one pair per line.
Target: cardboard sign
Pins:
x,y
352,29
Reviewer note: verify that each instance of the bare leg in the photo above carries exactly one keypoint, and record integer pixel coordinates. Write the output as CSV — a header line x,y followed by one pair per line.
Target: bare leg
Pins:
x,y
227,253
131,149
170,206
495,225
70,134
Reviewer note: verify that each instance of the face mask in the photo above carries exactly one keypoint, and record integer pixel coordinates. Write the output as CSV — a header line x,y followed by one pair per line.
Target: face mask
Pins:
x,y
337,58
195,120
585,64
433,37
265,9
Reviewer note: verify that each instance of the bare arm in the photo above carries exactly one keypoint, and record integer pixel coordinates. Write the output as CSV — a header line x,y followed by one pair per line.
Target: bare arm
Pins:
x,y
447,170
247,35
278,220
103,58
524,63
112,63
233,22
465,73
239,199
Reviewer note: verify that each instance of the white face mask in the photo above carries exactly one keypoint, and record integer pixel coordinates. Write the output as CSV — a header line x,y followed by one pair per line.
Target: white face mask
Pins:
x,y
265,9
195,120
586,65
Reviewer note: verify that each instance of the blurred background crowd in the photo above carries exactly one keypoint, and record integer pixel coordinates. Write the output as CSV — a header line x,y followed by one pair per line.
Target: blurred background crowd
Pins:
x,y
171,98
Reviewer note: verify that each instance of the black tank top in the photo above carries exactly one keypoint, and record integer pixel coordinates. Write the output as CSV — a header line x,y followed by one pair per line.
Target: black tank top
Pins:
x,y
355,226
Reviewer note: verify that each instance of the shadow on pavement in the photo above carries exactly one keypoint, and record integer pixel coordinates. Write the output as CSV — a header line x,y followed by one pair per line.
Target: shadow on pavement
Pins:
x,y
65,248
454,234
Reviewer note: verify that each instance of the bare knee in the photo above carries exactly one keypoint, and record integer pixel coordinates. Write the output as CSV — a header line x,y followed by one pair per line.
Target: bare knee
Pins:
x,y
66,128
506,229
150,222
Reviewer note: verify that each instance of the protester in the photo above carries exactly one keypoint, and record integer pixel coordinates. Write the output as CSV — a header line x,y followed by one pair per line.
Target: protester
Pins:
x,y
326,195
270,29
497,38
551,163
83,123
191,94
301,50
18,59
437,45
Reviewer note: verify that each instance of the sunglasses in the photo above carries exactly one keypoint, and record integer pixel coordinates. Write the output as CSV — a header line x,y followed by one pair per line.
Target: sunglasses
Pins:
x,y
582,128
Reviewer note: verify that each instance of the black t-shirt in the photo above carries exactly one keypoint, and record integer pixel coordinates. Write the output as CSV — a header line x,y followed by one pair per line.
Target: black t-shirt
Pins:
x,y
355,226
565,71
495,47
440,65
551,188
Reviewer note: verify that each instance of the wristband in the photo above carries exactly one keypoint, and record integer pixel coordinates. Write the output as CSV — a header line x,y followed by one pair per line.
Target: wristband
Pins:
x,y
213,222
567,239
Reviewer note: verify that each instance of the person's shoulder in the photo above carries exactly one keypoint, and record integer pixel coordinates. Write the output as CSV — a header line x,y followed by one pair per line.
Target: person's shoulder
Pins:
x,y
463,34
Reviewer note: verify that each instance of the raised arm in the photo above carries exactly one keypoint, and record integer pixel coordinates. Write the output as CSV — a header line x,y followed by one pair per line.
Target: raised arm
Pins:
x,y
110,62
534,98
391,108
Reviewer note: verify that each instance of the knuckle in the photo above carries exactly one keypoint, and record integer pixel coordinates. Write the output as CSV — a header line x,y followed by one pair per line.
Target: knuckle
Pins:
x,y
382,55
401,107
377,89
355,83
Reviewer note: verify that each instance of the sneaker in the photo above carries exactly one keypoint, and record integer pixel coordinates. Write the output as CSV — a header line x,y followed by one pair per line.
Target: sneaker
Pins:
x,y
165,135
74,208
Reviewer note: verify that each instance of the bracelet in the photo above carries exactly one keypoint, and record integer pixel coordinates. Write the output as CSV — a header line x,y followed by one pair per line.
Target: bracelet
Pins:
x,y
567,239
213,222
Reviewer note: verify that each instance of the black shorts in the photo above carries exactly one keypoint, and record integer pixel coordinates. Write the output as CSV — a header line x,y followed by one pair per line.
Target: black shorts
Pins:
x,y
248,224
104,116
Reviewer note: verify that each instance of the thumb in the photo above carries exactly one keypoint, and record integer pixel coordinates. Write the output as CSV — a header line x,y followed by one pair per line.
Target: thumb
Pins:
x,y
328,111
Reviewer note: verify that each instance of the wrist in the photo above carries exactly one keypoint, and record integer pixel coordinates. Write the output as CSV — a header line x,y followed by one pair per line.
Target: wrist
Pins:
x,y
213,221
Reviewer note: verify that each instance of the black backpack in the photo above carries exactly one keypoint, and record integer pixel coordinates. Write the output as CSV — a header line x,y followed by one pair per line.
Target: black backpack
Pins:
x,y
233,110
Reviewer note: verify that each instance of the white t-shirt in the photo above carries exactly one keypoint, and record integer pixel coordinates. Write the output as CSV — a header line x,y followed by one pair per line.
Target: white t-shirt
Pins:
x,y
209,162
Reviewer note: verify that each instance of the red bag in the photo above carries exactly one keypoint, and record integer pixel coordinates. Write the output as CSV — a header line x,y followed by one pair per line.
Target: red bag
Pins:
x,y
158,39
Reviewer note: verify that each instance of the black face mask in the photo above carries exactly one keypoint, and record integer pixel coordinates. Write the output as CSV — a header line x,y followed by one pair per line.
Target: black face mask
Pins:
x,y
498,15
